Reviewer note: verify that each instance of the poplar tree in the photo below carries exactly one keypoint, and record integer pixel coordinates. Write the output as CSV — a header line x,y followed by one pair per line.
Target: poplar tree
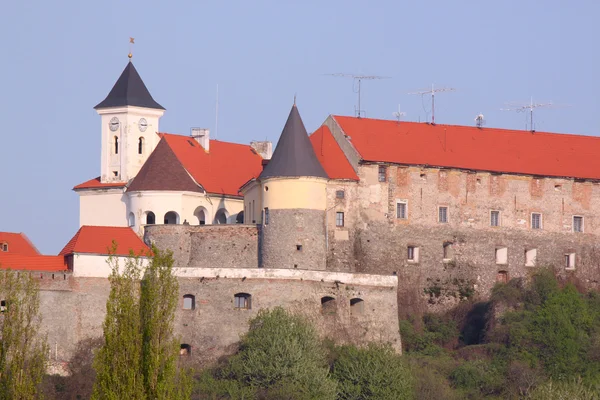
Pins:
x,y
23,350
139,357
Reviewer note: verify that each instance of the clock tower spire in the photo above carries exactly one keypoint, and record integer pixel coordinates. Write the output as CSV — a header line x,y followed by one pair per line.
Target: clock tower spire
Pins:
x,y
130,119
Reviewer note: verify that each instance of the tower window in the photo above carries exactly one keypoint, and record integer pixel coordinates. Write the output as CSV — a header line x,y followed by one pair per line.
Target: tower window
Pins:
x,y
401,208
382,173
443,214
494,218
412,254
141,145
339,219
570,261
339,194
150,218
536,221
243,301
116,145
577,224
266,215
131,219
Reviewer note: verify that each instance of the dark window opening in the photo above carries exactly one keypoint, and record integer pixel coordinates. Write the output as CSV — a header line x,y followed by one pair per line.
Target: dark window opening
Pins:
x,y
382,173
116,145
116,173
150,218
243,301
2,306
189,302
4,247
495,218
299,247
401,210
328,305
577,224
339,219
339,194
266,215
185,349
443,215
141,145
357,306
502,277
171,218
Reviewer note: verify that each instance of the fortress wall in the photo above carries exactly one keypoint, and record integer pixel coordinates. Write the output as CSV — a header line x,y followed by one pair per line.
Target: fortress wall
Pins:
x,y
207,246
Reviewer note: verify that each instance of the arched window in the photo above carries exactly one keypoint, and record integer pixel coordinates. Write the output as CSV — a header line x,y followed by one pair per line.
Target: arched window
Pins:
x,y
243,301
116,145
141,145
357,306
4,246
171,218
328,305
221,216
185,349
131,219
150,218
239,219
189,302
200,213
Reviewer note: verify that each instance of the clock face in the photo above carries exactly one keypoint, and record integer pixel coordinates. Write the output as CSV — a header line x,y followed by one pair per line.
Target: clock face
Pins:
x,y
143,124
114,124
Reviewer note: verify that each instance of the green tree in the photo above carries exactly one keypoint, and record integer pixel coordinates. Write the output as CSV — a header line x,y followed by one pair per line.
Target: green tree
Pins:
x,y
138,359
22,349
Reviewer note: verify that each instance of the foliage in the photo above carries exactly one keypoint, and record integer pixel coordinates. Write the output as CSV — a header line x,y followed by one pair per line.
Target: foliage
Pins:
x,y
478,376
573,389
23,349
138,357
375,372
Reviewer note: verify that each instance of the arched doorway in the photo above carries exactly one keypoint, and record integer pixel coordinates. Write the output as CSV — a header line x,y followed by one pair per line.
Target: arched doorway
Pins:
x,y
221,216
200,214
171,218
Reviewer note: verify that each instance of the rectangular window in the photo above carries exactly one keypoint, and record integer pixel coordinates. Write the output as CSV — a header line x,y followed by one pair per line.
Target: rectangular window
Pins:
x,y
4,247
339,194
495,218
530,257
536,221
339,219
502,277
412,254
443,214
401,210
501,255
577,224
570,260
448,251
266,215
382,173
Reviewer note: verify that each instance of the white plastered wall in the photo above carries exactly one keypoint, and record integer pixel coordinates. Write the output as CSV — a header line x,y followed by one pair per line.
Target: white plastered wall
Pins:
x,y
97,266
105,207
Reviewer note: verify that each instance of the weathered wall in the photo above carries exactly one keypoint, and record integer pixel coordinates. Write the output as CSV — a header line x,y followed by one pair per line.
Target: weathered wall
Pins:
x,y
373,240
207,246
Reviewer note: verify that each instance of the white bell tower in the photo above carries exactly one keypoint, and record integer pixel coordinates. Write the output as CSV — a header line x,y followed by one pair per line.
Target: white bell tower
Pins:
x,y
129,118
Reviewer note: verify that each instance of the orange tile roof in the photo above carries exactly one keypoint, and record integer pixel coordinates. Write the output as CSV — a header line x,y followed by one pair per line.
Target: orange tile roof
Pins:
x,y
96,184
222,170
18,243
465,147
32,262
98,240
331,156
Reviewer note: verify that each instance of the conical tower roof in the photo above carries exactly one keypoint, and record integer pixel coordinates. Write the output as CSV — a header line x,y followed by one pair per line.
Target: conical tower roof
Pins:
x,y
129,90
294,155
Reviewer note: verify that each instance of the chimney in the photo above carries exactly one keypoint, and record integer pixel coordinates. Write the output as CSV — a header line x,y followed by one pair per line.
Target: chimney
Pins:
x,y
265,149
202,136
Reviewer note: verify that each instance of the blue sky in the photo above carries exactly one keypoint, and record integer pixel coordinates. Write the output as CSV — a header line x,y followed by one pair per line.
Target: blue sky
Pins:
x,y
61,58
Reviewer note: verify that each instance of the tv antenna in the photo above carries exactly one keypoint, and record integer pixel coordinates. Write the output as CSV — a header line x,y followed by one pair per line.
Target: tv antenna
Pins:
x,y
399,114
433,91
513,106
359,78
479,121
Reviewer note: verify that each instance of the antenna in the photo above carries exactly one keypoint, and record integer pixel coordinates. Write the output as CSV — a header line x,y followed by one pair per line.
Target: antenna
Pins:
x,y
399,114
513,106
217,113
479,121
433,92
359,78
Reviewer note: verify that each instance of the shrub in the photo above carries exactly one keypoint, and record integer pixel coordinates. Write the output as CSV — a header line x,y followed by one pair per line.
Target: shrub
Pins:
x,y
573,389
477,376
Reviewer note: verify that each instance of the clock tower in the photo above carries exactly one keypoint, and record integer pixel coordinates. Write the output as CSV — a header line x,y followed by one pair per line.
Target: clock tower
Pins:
x,y
129,117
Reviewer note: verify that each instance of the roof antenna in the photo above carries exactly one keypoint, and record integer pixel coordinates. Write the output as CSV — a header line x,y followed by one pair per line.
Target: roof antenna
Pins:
x,y
217,114
514,106
131,41
479,121
433,91
399,114
357,111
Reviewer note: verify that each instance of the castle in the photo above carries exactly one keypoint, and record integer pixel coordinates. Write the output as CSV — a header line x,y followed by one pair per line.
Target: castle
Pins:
x,y
360,222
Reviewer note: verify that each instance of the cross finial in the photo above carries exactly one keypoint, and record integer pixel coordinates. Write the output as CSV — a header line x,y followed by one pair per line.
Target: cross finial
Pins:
x,y
131,41
294,99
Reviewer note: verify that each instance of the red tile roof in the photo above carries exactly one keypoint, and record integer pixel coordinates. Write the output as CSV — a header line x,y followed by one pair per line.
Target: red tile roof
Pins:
x,y
331,156
18,243
96,184
222,170
486,149
32,262
98,240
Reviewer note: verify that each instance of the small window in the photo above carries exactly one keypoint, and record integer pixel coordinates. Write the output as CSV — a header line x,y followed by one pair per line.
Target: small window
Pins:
x,y
495,218
2,306
328,305
339,219
116,173
382,173
448,251
266,215
116,139
4,247
189,302
185,349
443,214
501,255
570,261
242,301
357,306
141,145
131,219
502,277
577,224
412,254
530,257
401,210
339,194
536,221
299,247
150,218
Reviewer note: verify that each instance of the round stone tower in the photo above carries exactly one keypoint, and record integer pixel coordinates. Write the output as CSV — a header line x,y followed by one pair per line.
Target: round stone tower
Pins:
x,y
288,201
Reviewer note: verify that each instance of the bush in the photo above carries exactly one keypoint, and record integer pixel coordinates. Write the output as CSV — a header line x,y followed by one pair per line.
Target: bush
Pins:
x,y
573,389
478,376
375,372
